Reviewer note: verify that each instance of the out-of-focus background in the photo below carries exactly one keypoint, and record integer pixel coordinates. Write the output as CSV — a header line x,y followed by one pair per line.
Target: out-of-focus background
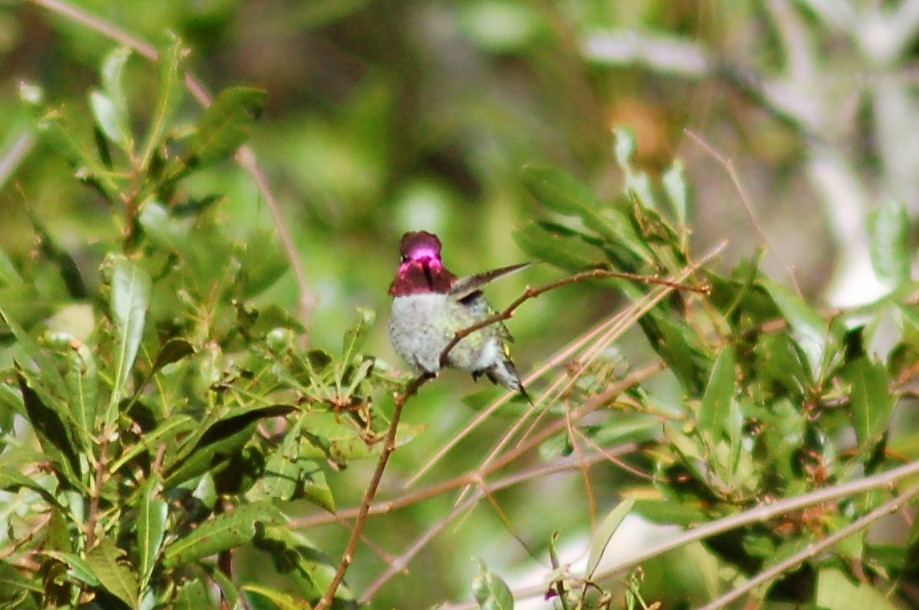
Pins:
x,y
394,115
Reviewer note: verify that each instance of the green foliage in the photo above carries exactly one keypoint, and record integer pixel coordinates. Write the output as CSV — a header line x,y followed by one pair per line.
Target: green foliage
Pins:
x,y
162,422
171,422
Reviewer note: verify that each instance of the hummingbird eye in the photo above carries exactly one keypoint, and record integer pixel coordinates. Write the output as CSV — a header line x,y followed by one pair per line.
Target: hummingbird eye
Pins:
x,y
403,258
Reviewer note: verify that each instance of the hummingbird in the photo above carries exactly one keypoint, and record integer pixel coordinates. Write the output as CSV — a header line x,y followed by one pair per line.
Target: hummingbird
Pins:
x,y
430,304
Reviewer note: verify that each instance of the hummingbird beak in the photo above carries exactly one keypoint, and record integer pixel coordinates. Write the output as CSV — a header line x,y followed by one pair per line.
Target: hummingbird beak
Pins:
x,y
427,272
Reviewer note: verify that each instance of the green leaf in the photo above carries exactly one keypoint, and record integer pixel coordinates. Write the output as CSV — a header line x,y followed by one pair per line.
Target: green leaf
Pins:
x,y
605,532
82,380
809,328
715,408
116,577
221,533
668,512
166,432
559,246
79,568
9,276
112,122
172,351
222,437
191,596
890,243
129,301
225,125
279,600
835,591
565,194
62,125
112,76
298,558
151,528
490,592
871,401
54,426
169,95
12,480
50,375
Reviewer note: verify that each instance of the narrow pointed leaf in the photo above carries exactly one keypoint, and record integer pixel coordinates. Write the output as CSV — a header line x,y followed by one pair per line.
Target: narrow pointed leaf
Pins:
x,y
809,328
605,532
719,394
151,527
565,250
871,400
172,351
54,427
129,302
224,532
112,76
78,567
169,95
110,119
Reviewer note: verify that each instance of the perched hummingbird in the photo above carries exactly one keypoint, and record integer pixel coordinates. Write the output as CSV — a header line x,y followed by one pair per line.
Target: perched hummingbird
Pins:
x,y
430,305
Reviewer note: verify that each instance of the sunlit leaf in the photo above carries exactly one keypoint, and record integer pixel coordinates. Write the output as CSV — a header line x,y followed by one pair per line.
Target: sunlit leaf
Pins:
x,y
871,400
169,95
108,565
151,528
223,532
490,592
835,590
129,301
111,120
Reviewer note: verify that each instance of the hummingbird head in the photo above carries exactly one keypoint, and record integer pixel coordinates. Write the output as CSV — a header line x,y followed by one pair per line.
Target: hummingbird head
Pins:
x,y
420,268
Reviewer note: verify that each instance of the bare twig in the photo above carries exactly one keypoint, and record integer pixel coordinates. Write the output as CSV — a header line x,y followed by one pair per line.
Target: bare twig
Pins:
x,y
532,293
245,157
728,166
389,445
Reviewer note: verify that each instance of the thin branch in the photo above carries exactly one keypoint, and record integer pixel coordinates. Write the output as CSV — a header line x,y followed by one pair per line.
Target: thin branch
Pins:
x,y
245,156
558,426
814,549
401,562
389,446
728,166
532,293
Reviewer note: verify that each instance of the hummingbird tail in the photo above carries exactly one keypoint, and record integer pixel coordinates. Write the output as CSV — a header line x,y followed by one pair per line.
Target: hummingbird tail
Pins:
x,y
504,373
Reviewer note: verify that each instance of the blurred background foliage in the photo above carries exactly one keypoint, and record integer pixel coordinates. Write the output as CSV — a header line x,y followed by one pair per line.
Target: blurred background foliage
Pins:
x,y
391,115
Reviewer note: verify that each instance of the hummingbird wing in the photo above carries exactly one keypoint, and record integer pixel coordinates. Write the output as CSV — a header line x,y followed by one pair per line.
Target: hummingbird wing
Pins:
x,y
466,286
